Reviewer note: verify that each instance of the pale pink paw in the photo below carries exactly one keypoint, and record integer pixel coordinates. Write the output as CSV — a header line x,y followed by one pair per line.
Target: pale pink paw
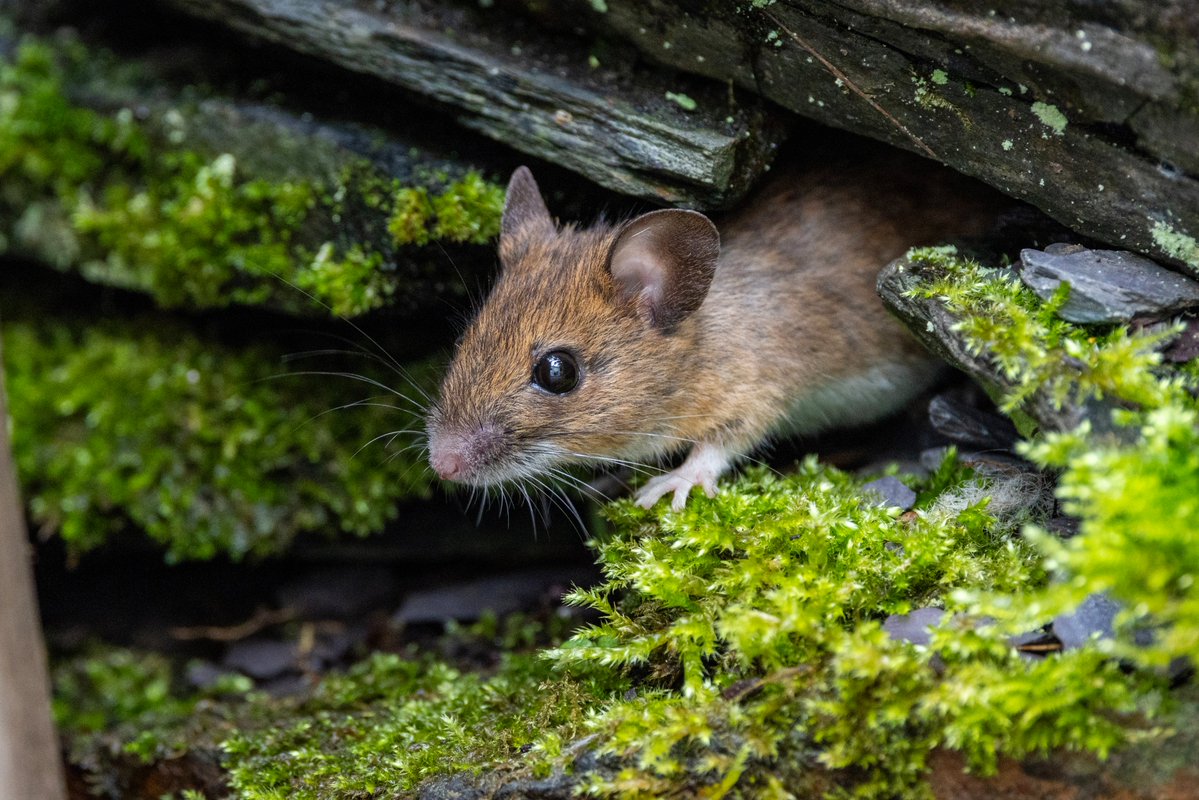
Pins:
x,y
679,481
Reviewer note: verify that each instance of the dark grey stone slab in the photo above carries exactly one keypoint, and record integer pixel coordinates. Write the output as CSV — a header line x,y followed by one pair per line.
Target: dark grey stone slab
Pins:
x,y
1106,286
1093,617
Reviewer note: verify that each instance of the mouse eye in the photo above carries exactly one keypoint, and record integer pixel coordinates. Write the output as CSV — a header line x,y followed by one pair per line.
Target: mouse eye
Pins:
x,y
557,372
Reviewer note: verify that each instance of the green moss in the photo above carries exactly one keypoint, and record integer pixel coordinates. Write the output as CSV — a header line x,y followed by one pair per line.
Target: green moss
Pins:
x,y
752,623
390,723
106,687
146,423
1029,342
379,729
410,218
765,604
144,212
467,210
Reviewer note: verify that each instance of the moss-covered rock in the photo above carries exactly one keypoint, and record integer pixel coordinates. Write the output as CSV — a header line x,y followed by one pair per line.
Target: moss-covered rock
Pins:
x,y
1127,457
136,192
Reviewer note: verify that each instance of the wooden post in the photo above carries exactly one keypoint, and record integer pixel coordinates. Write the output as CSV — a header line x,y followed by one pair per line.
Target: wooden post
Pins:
x,y
30,763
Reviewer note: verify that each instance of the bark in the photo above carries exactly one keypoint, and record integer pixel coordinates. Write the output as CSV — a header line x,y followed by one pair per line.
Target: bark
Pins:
x,y
535,92
30,766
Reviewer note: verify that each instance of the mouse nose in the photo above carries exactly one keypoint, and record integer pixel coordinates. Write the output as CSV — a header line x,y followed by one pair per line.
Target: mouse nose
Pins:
x,y
449,464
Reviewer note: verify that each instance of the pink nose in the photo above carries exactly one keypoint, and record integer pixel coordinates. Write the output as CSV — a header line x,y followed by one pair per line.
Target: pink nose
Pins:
x,y
449,464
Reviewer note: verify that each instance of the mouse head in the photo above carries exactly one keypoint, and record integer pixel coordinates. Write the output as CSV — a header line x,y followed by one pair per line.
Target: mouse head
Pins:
x,y
581,346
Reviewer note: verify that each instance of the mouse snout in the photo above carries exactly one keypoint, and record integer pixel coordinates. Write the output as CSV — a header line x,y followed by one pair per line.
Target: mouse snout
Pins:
x,y
449,464
463,457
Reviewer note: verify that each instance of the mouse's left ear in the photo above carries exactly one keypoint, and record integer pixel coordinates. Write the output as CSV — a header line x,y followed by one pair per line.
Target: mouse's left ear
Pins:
x,y
525,216
663,263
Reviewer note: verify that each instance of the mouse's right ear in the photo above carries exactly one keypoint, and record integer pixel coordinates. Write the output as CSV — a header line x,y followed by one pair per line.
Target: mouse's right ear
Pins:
x,y
525,216
663,263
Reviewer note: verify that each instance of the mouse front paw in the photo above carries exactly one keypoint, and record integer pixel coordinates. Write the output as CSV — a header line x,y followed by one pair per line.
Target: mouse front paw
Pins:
x,y
703,467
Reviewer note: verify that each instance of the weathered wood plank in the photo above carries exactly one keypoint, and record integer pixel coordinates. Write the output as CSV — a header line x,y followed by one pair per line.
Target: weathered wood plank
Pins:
x,y
534,92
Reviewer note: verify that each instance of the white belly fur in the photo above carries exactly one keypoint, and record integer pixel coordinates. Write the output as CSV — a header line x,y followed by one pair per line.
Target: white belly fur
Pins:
x,y
860,399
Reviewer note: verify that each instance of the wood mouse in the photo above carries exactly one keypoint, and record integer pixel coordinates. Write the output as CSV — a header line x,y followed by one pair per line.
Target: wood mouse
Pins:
x,y
627,343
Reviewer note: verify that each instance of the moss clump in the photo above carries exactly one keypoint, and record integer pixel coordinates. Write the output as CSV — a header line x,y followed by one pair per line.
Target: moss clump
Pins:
x,y
381,728
143,211
1029,343
467,210
752,623
390,723
146,423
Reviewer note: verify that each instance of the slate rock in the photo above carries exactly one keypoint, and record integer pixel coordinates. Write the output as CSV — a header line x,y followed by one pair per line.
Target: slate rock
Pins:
x,y
890,491
262,659
503,594
1106,286
915,627
203,674
965,424
1094,615
1184,347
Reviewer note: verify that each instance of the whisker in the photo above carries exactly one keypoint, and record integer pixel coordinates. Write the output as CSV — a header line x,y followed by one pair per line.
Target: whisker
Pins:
x,y
636,466
560,500
352,376
346,320
392,434
357,351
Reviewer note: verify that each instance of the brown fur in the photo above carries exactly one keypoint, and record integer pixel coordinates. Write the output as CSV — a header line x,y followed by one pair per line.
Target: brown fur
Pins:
x,y
791,309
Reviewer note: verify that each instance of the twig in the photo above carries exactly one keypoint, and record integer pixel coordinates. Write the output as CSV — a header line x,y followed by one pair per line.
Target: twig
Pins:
x,y
841,76
263,618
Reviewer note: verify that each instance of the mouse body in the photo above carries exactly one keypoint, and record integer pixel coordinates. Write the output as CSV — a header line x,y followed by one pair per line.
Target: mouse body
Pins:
x,y
628,343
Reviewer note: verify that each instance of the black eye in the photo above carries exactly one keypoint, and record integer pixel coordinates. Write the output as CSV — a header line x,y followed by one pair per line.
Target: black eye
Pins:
x,y
557,372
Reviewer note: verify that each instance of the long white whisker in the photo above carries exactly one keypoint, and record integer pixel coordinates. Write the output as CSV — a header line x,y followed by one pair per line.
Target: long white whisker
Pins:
x,y
394,367
352,376
636,466
346,320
